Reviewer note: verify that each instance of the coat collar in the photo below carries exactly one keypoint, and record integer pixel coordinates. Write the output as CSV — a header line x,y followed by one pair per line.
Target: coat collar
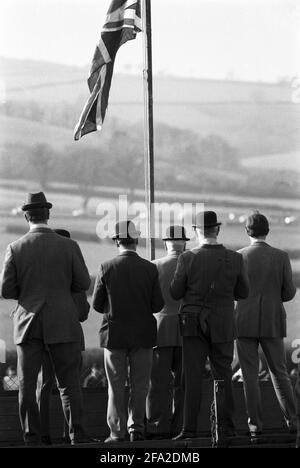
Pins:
x,y
259,243
128,253
40,229
211,246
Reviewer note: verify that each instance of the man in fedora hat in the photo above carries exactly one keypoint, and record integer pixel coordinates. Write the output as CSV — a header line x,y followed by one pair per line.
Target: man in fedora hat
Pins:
x,y
41,271
165,398
48,375
128,293
261,321
208,279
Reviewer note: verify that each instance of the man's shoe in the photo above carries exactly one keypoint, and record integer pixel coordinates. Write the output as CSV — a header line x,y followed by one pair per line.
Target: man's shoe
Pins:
x,y
66,440
113,440
228,433
298,441
136,436
185,435
46,440
254,433
292,429
85,440
255,436
158,436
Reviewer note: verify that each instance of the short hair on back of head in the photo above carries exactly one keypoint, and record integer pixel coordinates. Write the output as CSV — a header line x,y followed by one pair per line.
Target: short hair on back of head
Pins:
x,y
37,215
208,231
127,242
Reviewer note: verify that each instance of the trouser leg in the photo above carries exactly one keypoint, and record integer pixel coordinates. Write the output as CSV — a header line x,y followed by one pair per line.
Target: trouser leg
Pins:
x,y
140,363
274,352
48,379
30,356
115,362
247,349
195,352
297,391
158,407
178,391
66,358
221,356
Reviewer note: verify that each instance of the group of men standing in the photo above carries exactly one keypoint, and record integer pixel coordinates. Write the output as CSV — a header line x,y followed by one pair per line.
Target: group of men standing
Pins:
x,y
161,321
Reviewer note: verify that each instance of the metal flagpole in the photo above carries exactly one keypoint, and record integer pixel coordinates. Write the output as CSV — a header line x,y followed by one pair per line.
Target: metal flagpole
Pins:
x,y
148,127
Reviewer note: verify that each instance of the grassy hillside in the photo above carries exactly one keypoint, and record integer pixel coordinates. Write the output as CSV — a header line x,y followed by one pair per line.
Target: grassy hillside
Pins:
x,y
15,130
253,129
48,82
256,118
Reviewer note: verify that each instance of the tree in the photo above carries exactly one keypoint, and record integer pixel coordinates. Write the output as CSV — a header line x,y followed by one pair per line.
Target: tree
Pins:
x,y
86,168
127,159
41,161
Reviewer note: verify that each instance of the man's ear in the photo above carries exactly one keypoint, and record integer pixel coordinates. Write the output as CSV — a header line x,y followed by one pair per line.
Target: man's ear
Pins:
x,y
26,217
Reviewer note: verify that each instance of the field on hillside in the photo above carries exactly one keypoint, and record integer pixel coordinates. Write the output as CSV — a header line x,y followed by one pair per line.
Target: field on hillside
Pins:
x,y
254,129
256,118
27,132
290,161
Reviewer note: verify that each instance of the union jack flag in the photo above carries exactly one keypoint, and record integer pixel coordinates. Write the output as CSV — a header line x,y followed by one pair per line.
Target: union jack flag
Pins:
x,y
123,22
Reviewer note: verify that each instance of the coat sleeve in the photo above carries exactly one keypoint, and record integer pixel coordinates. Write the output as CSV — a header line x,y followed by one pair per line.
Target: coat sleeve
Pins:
x,y
9,281
83,307
157,300
100,297
241,290
288,289
179,282
80,276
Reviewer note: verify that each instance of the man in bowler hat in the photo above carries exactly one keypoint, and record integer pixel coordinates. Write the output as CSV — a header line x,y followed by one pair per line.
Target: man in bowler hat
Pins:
x,y
165,398
128,293
261,321
41,271
208,279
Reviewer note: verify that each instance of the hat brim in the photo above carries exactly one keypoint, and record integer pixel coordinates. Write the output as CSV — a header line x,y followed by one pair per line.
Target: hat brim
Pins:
x,y
176,238
32,206
206,225
124,235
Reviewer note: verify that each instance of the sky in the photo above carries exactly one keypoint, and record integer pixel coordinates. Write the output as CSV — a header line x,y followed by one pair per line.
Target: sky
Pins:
x,y
255,40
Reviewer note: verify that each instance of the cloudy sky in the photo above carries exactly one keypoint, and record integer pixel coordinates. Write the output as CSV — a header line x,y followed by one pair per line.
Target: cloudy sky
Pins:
x,y
241,39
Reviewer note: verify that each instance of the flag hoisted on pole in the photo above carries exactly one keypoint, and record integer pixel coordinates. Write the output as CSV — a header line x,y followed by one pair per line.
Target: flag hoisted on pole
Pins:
x,y
123,22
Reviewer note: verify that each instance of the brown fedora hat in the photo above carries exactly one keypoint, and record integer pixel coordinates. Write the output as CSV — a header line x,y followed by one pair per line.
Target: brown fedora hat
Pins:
x,y
36,200
206,219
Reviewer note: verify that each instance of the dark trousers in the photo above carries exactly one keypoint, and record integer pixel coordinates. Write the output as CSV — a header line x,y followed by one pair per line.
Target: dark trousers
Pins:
x,y
66,360
196,349
48,381
297,392
165,397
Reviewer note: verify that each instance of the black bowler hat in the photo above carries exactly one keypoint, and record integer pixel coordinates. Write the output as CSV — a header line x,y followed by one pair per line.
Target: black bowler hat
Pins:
x,y
174,233
36,200
257,225
126,230
206,219
63,232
